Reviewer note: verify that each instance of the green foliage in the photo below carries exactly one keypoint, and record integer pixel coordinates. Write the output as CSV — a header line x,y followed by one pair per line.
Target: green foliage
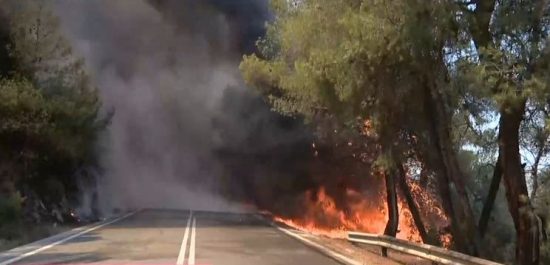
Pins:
x,y
49,109
413,69
59,130
542,199
356,65
10,209
23,109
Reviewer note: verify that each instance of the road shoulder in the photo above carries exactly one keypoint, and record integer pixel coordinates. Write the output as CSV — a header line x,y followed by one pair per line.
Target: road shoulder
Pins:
x,y
21,252
343,251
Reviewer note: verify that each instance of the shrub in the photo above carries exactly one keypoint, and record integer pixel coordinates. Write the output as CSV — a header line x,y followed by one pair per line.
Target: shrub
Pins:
x,y
10,208
545,253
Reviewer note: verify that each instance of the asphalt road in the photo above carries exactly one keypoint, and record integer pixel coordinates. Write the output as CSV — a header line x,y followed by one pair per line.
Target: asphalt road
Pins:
x,y
176,237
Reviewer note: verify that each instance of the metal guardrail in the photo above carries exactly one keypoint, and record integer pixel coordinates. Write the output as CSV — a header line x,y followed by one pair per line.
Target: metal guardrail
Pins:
x,y
433,253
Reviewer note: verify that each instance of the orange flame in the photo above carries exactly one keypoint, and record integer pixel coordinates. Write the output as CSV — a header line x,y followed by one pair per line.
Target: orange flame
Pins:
x,y
323,217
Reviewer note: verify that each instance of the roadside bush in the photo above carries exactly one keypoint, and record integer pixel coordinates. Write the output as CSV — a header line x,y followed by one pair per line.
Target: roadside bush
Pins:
x,y
10,209
545,253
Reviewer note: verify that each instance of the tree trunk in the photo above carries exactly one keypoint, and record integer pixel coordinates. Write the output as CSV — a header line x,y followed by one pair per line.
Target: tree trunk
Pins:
x,y
433,161
393,215
491,196
413,207
427,154
535,170
424,177
511,116
519,205
449,173
460,241
543,232
462,206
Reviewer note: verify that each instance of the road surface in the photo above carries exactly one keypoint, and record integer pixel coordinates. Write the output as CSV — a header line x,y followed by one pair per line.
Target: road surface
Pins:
x,y
175,237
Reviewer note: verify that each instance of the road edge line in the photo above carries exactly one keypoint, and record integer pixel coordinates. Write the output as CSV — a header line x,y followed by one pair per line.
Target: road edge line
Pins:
x,y
83,230
315,246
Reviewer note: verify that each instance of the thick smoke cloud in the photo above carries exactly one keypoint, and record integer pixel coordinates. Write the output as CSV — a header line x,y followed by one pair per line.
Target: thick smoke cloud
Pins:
x,y
164,67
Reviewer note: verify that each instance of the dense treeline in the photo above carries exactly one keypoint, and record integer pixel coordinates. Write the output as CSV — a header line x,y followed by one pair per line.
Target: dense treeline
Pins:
x,y
49,118
453,96
457,90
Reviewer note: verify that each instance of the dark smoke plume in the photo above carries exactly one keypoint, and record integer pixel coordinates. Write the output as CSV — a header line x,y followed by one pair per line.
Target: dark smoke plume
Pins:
x,y
185,129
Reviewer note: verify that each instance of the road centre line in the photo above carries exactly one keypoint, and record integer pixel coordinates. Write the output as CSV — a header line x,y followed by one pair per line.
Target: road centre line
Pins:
x,y
61,241
192,244
183,248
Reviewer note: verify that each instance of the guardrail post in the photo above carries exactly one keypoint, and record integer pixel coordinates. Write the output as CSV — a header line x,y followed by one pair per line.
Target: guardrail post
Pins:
x,y
384,252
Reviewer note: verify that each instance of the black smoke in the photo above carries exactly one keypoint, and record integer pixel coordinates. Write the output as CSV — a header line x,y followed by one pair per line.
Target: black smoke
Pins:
x,y
246,20
186,132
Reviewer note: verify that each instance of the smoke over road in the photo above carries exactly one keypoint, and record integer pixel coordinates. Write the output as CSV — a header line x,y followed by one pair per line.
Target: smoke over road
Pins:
x,y
164,67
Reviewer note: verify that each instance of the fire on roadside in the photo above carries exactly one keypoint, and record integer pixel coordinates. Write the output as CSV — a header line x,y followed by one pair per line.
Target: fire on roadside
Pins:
x,y
322,216
325,215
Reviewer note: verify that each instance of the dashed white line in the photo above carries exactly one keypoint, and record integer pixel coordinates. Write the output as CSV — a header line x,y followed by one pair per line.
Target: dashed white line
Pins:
x,y
181,256
192,244
100,225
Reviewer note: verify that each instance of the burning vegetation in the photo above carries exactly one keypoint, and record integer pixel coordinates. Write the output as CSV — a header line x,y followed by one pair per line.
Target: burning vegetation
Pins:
x,y
325,180
357,201
322,216
360,211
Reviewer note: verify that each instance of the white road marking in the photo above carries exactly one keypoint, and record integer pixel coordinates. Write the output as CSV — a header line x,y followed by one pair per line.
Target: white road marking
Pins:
x,y
100,225
310,243
181,256
192,244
